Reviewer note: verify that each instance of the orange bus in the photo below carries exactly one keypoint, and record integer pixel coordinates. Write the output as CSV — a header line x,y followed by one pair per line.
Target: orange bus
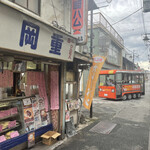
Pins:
x,y
121,84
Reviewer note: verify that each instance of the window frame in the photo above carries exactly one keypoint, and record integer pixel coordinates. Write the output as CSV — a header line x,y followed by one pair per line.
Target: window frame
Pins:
x,y
27,2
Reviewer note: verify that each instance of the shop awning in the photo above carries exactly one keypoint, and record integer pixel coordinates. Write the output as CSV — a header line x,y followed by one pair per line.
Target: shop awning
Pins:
x,y
82,59
26,33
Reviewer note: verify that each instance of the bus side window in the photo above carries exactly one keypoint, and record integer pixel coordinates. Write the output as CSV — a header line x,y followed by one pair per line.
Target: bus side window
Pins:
x,y
125,79
135,78
119,78
129,78
141,79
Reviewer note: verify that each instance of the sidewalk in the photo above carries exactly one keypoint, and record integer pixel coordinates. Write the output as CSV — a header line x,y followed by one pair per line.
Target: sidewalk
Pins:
x,y
40,145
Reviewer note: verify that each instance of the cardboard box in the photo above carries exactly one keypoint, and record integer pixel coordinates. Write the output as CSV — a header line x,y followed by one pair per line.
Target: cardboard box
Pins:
x,y
50,137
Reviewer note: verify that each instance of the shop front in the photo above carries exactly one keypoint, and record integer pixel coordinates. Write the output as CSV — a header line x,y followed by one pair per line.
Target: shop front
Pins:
x,y
33,56
73,104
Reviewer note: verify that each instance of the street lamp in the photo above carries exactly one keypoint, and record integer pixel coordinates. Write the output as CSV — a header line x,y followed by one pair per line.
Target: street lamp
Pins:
x,y
146,39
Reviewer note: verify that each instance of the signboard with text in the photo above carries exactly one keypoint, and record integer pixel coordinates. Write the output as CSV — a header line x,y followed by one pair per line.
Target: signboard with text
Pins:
x,y
98,62
129,88
22,33
79,20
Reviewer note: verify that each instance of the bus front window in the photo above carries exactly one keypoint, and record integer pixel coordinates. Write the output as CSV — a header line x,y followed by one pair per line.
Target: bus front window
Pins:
x,y
102,80
107,80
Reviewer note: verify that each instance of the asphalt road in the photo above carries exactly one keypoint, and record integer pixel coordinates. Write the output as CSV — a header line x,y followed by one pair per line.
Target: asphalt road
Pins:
x,y
131,132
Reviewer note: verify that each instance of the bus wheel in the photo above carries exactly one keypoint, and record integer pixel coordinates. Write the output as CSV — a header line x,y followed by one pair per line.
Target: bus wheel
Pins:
x,y
134,96
129,96
124,97
138,95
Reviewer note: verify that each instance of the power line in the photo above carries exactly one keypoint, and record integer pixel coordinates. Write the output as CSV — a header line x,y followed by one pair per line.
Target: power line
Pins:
x,y
127,16
54,9
110,35
127,49
107,16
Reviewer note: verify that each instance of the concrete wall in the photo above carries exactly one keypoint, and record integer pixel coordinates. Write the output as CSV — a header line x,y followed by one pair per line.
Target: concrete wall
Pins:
x,y
62,8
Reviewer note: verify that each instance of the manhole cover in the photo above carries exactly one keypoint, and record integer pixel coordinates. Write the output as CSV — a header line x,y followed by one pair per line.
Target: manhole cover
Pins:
x,y
104,127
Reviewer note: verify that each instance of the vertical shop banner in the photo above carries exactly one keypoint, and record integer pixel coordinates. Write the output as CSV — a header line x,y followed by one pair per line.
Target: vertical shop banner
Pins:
x,y
98,62
79,20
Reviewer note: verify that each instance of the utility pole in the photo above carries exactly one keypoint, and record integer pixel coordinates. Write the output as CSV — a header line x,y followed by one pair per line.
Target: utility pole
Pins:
x,y
133,56
91,34
91,52
91,44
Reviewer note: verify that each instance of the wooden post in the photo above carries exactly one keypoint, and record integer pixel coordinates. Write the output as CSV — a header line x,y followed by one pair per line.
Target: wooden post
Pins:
x,y
62,100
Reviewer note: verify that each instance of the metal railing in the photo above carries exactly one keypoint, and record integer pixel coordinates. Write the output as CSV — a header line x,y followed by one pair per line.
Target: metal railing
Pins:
x,y
99,19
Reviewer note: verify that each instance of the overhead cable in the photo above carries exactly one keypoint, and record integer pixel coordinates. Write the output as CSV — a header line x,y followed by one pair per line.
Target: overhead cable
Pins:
x,y
127,16
54,9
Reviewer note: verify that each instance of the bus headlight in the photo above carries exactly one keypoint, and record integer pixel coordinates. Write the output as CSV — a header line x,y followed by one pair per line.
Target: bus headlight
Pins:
x,y
112,90
100,89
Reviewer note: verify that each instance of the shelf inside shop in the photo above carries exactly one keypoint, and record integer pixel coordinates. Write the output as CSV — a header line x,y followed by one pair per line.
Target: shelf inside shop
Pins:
x,y
14,98
4,104
9,117
17,125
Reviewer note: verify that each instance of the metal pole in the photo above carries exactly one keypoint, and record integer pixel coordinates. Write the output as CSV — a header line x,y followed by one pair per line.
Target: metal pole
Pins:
x,y
91,52
91,37
133,59
62,101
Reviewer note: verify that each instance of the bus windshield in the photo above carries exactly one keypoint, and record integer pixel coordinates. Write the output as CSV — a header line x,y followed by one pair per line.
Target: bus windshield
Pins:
x,y
107,80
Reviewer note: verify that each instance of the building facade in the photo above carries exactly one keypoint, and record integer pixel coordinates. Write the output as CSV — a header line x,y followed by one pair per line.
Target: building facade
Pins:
x,y
106,42
37,52
128,63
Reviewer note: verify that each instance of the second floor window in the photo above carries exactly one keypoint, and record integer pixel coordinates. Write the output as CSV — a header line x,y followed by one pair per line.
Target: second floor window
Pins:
x,y
32,5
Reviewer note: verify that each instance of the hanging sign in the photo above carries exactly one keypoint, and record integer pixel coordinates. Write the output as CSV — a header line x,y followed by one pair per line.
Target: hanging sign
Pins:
x,y
98,62
79,20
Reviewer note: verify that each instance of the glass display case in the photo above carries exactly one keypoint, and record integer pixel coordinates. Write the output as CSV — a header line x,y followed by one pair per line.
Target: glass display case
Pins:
x,y
11,115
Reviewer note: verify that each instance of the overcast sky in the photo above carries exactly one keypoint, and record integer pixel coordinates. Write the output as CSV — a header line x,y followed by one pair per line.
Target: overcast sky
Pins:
x,y
130,29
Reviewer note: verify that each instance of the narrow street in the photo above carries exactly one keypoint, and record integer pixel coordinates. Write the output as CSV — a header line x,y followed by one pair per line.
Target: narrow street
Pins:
x,y
131,132
54,51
